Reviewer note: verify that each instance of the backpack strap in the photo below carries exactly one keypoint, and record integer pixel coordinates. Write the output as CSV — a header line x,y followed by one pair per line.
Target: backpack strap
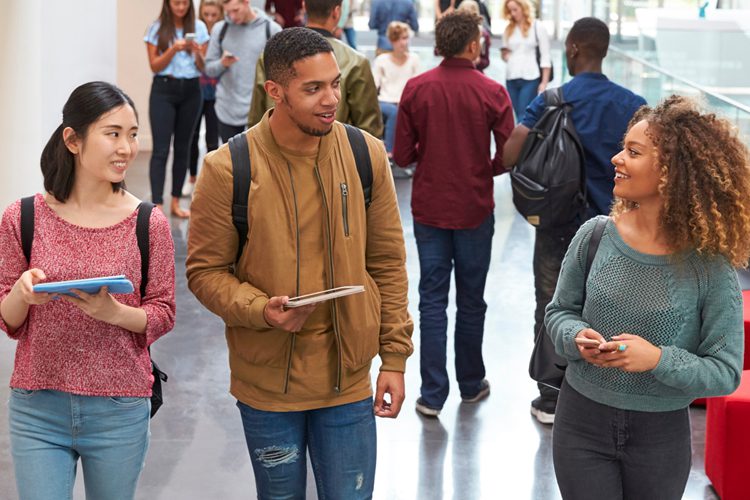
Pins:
x,y
596,237
362,160
239,151
141,234
268,29
223,33
27,226
241,175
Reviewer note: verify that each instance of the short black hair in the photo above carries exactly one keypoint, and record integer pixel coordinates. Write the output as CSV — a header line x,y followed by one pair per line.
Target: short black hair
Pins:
x,y
86,104
454,32
320,9
289,46
591,35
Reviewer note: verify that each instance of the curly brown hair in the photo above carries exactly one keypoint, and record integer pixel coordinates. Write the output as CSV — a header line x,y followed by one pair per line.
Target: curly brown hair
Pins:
x,y
454,32
705,179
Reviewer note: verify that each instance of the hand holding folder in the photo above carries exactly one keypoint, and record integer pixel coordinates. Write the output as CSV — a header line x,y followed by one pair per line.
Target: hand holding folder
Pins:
x,y
115,284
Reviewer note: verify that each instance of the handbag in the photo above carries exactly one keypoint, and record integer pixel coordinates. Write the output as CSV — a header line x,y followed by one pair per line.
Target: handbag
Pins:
x,y
539,58
546,366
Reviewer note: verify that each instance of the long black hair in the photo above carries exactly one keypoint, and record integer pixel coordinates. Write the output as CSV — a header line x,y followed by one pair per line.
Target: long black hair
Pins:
x,y
85,106
167,30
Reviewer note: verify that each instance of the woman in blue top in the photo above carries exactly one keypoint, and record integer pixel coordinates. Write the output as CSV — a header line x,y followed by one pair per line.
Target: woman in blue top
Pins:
x,y
175,43
658,322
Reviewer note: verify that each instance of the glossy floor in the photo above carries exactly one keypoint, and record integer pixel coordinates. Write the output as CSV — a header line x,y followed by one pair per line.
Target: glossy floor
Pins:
x,y
490,450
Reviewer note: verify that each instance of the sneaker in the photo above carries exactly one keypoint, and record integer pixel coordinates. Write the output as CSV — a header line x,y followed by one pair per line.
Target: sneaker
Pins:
x,y
484,391
544,410
401,173
425,410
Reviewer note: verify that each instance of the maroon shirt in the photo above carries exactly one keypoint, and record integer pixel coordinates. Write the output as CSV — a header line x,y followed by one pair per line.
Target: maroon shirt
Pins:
x,y
445,118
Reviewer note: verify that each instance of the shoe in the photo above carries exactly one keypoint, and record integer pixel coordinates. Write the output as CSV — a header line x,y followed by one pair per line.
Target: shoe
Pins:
x,y
401,173
484,391
544,410
425,410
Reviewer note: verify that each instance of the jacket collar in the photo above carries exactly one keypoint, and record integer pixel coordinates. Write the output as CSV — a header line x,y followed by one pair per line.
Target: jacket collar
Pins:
x,y
268,142
323,32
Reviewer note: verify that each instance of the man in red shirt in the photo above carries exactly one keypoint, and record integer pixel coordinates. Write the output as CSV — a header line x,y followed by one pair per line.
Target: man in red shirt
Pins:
x,y
445,122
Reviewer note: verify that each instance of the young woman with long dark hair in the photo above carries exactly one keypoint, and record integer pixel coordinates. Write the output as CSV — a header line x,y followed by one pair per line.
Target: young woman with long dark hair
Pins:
x,y
82,376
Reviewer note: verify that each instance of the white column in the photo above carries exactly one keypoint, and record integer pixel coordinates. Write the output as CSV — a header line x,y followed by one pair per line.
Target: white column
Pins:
x,y
50,48
20,100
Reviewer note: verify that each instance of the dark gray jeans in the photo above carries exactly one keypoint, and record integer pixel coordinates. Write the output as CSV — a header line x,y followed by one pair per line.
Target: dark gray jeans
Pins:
x,y
604,452
549,250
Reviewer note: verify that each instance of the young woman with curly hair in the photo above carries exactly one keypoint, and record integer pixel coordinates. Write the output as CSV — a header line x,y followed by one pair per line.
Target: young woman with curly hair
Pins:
x,y
661,307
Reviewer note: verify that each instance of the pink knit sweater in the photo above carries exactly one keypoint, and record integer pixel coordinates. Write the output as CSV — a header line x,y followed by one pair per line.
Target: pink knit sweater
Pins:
x,y
59,346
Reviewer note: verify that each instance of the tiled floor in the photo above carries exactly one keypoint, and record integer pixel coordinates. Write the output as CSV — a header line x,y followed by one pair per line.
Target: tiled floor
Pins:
x,y
492,450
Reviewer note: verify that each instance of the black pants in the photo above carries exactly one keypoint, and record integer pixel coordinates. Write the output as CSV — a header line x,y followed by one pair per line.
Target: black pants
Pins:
x,y
228,131
601,452
212,134
549,250
174,107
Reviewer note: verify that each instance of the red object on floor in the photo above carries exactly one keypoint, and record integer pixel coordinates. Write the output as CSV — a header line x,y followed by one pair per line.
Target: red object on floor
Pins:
x,y
728,442
746,363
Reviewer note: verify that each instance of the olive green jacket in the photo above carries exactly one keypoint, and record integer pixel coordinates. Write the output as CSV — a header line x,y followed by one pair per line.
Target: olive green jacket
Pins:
x,y
359,96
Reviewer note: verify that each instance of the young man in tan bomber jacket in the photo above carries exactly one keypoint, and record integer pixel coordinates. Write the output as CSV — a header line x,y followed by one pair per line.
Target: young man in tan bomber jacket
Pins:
x,y
302,376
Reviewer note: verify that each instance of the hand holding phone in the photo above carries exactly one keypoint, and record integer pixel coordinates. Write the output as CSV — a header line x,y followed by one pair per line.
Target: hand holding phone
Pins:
x,y
227,59
587,342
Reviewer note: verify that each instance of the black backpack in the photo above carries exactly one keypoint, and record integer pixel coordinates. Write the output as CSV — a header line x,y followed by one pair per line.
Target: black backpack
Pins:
x,y
141,232
241,174
549,178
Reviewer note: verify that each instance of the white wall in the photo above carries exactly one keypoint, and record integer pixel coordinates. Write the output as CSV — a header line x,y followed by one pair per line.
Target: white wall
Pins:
x,y
48,49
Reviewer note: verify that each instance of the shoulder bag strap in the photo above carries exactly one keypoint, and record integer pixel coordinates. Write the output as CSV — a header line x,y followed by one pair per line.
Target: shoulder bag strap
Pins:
x,y
596,237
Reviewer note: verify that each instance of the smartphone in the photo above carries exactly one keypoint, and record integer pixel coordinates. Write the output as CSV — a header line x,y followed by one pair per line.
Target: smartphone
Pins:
x,y
228,54
189,37
584,341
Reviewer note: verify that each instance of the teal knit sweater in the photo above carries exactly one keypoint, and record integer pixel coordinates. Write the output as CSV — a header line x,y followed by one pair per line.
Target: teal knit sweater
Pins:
x,y
688,304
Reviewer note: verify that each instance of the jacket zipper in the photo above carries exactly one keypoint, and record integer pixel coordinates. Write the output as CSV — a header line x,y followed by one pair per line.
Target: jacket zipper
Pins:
x,y
334,316
345,205
296,225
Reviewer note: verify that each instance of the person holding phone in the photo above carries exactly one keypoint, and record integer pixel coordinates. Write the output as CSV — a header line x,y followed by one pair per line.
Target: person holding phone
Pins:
x,y
662,307
176,44
82,379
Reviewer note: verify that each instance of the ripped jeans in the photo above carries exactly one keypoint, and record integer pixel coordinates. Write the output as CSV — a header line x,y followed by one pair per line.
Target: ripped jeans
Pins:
x,y
342,445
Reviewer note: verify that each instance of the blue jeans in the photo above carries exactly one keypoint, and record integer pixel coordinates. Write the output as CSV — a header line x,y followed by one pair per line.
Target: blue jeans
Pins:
x,y
51,430
439,251
390,112
351,37
342,445
521,92
605,452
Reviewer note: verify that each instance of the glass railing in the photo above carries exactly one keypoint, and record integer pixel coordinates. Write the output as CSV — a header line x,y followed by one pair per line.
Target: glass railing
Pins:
x,y
654,83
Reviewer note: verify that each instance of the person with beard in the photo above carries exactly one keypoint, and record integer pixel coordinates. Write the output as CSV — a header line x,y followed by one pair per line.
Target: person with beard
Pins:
x,y
301,376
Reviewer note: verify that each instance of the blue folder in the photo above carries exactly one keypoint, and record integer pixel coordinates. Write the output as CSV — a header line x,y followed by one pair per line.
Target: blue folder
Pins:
x,y
115,284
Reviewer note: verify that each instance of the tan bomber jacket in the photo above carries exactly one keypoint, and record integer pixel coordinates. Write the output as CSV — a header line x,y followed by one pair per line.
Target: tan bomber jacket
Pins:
x,y
359,96
365,246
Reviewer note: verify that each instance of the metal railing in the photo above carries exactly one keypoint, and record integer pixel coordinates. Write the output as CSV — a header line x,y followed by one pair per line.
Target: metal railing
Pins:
x,y
655,83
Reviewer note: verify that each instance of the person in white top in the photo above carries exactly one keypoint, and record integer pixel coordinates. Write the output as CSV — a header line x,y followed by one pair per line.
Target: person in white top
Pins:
x,y
525,76
391,71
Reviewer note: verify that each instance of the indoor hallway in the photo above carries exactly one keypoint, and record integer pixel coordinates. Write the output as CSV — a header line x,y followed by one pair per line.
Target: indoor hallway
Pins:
x,y
491,450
